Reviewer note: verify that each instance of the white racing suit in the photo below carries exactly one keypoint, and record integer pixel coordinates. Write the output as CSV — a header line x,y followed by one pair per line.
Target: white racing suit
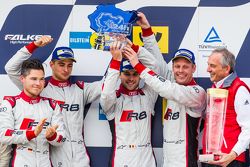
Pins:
x,y
182,117
74,96
130,112
19,117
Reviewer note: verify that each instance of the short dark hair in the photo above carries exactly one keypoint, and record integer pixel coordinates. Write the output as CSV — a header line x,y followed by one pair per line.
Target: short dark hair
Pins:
x,y
31,64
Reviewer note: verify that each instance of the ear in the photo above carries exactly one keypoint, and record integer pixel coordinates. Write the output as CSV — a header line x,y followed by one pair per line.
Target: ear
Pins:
x,y
194,68
51,63
227,69
22,78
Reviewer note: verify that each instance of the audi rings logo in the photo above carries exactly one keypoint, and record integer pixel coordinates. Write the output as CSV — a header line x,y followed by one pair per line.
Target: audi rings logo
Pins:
x,y
3,109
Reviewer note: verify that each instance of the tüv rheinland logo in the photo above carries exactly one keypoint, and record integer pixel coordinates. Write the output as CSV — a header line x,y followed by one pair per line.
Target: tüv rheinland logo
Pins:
x,y
79,40
21,38
212,41
212,36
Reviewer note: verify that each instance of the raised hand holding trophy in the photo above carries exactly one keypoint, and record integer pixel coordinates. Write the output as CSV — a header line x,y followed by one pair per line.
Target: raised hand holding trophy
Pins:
x,y
110,24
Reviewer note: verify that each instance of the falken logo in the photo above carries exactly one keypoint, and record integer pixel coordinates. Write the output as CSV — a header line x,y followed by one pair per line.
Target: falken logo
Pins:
x,y
21,38
212,36
109,23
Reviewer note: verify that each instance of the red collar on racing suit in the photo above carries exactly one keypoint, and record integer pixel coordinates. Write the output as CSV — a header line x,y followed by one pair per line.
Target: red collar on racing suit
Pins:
x,y
28,99
192,82
125,91
60,84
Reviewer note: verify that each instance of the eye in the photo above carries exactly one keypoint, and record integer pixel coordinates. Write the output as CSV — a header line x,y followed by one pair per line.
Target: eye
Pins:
x,y
135,74
127,74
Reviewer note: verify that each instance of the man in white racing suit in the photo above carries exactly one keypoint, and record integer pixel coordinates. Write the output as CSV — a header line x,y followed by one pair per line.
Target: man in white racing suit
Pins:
x,y
31,122
129,110
185,100
73,97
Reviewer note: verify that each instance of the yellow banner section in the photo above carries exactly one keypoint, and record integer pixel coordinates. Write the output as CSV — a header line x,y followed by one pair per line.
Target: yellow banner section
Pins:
x,y
164,106
161,33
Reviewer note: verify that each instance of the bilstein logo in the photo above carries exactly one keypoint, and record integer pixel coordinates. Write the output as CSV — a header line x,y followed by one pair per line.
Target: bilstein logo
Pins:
x,y
161,34
21,38
79,40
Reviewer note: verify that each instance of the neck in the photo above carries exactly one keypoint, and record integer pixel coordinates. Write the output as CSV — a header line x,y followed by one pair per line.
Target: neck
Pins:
x,y
30,95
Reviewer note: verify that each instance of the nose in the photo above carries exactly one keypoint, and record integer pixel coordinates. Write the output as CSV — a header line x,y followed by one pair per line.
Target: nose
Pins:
x,y
181,69
131,78
208,69
66,69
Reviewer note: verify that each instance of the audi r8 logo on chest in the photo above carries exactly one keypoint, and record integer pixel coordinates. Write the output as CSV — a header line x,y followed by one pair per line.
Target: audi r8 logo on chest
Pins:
x,y
10,132
170,115
27,124
70,107
127,115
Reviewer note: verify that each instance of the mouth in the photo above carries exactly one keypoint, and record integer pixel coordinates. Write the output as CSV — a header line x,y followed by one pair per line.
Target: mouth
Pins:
x,y
130,84
211,75
36,89
181,76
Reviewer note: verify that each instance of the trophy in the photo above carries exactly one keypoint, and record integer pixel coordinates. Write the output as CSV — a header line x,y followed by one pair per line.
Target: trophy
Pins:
x,y
110,24
214,123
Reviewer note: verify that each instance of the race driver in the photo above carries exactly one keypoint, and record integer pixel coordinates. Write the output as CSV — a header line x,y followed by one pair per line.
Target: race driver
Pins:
x,y
129,110
185,99
29,121
74,96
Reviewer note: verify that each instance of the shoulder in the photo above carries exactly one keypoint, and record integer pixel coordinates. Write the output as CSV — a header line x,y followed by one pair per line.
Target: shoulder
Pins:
x,y
197,89
79,84
11,100
52,102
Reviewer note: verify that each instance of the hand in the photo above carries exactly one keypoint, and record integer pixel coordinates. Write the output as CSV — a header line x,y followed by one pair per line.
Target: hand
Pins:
x,y
130,54
44,40
116,51
39,127
225,159
129,43
51,131
142,21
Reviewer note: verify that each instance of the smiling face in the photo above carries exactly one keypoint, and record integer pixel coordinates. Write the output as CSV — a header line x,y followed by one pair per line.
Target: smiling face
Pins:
x,y
62,69
215,67
130,79
33,83
183,70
